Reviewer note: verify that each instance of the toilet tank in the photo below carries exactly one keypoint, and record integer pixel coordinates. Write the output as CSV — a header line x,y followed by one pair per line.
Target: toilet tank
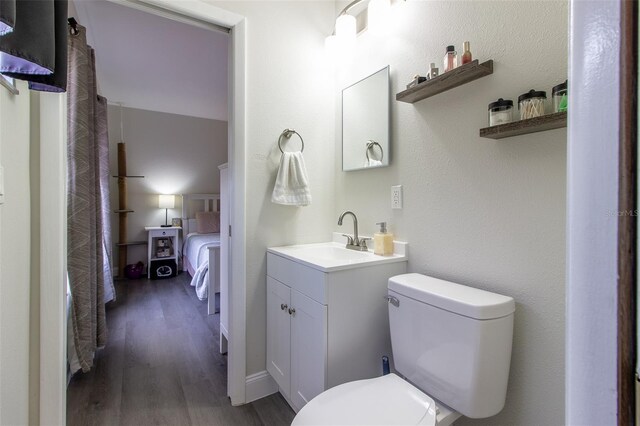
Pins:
x,y
452,341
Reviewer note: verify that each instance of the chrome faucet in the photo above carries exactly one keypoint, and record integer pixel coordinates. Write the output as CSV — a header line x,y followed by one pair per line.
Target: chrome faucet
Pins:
x,y
354,243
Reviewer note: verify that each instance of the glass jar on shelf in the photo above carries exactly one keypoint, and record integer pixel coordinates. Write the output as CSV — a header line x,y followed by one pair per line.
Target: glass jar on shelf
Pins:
x,y
560,98
531,104
500,112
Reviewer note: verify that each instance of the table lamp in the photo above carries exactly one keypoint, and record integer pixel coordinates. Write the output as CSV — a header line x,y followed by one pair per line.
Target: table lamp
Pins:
x,y
166,202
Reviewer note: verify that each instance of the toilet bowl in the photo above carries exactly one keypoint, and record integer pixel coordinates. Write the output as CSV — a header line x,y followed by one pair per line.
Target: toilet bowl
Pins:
x,y
387,400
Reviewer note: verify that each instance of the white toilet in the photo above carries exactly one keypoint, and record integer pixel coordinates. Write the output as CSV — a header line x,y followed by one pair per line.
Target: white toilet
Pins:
x,y
452,347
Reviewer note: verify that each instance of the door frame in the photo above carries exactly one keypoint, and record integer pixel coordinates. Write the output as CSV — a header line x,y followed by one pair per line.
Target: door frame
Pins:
x,y
53,377
627,217
53,258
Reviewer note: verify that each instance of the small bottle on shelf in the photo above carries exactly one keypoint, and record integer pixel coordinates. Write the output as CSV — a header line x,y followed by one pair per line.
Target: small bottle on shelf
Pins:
x,y
450,58
466,54
433,71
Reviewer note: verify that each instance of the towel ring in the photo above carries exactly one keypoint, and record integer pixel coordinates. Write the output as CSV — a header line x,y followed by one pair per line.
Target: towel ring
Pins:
x,y
370,145
287,133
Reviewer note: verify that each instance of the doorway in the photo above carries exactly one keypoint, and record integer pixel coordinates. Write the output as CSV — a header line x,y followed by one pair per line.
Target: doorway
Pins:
x,y
53,324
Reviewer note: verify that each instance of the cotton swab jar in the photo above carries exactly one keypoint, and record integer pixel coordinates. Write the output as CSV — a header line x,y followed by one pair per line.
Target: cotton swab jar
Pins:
x,y
531,104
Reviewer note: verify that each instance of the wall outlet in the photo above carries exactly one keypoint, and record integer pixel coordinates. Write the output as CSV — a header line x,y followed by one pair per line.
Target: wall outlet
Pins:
x,y
396,197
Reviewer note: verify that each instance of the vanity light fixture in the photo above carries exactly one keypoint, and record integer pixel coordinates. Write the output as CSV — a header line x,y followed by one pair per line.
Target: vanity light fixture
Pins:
x,y
344,30
345,27
377,12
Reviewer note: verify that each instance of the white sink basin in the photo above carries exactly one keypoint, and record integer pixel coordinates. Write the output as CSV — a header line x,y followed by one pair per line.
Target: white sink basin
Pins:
x,y
331,252
331,256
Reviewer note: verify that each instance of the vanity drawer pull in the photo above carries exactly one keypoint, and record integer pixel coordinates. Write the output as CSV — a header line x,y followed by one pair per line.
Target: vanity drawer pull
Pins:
x,y
283,306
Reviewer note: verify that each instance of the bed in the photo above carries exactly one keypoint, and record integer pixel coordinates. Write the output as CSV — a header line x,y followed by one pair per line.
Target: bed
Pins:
x,y
201,250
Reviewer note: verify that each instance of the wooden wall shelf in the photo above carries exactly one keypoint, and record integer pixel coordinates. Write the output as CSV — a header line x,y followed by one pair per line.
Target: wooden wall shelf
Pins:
x,y
556,120
454,78
128,176
123,211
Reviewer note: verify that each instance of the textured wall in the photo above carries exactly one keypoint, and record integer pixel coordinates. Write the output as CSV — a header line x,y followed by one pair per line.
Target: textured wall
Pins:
x,y
489,214
288,84
176,154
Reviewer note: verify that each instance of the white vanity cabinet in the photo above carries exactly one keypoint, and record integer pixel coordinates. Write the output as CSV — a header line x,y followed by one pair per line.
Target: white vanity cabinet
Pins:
x,y
297,330
325,326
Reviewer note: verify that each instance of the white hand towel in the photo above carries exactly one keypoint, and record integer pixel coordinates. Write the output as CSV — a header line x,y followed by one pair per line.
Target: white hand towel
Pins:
x,y
292,184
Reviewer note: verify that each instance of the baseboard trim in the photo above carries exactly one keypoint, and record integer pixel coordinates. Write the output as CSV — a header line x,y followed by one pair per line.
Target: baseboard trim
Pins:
x,y
259,385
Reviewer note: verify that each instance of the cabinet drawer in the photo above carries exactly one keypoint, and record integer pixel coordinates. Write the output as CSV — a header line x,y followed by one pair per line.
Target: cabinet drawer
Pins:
x,y
161,233
306,280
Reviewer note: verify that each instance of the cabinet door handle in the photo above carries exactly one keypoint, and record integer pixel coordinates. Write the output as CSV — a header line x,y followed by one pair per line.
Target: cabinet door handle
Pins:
x,y
283,306
292,311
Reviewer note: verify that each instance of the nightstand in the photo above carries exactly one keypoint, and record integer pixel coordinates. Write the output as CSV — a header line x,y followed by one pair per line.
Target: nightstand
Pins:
x,y
162,253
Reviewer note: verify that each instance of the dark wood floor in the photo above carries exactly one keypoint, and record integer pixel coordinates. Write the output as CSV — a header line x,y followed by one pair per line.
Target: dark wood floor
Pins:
x,y
162,365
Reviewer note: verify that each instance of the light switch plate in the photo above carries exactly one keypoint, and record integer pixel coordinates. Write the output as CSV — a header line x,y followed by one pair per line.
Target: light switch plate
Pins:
x,y
396,197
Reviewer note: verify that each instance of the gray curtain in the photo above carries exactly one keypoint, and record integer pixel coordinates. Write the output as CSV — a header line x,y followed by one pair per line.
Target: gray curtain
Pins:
x,y
33,45
7,16
102,133
88,220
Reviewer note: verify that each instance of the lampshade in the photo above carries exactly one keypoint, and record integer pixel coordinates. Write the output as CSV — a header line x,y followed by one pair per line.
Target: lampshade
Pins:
x,y
377,13
166,201
331,45
346,27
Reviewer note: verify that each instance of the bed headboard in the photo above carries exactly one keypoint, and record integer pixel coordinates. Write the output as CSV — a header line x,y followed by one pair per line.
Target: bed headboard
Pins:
x,y
192,203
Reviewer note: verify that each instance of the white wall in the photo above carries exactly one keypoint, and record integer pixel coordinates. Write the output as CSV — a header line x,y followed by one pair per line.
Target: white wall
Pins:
x,y
489,214
592,268
15,243
149,62
176,154
287,85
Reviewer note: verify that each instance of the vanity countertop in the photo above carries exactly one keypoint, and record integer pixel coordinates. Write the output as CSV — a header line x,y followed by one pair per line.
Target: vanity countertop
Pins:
x,y
333,256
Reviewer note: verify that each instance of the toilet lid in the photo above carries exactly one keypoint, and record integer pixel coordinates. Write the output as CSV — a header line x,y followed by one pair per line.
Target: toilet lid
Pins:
x,y
386,400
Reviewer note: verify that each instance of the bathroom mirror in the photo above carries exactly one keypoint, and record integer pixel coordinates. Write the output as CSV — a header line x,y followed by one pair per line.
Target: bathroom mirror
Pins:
x,y
365,122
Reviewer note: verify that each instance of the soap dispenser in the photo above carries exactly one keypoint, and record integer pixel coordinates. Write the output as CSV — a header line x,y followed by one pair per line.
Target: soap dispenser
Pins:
x,y
383,241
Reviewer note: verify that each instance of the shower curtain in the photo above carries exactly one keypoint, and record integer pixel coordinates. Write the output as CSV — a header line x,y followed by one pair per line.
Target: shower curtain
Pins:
x,y
88,220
